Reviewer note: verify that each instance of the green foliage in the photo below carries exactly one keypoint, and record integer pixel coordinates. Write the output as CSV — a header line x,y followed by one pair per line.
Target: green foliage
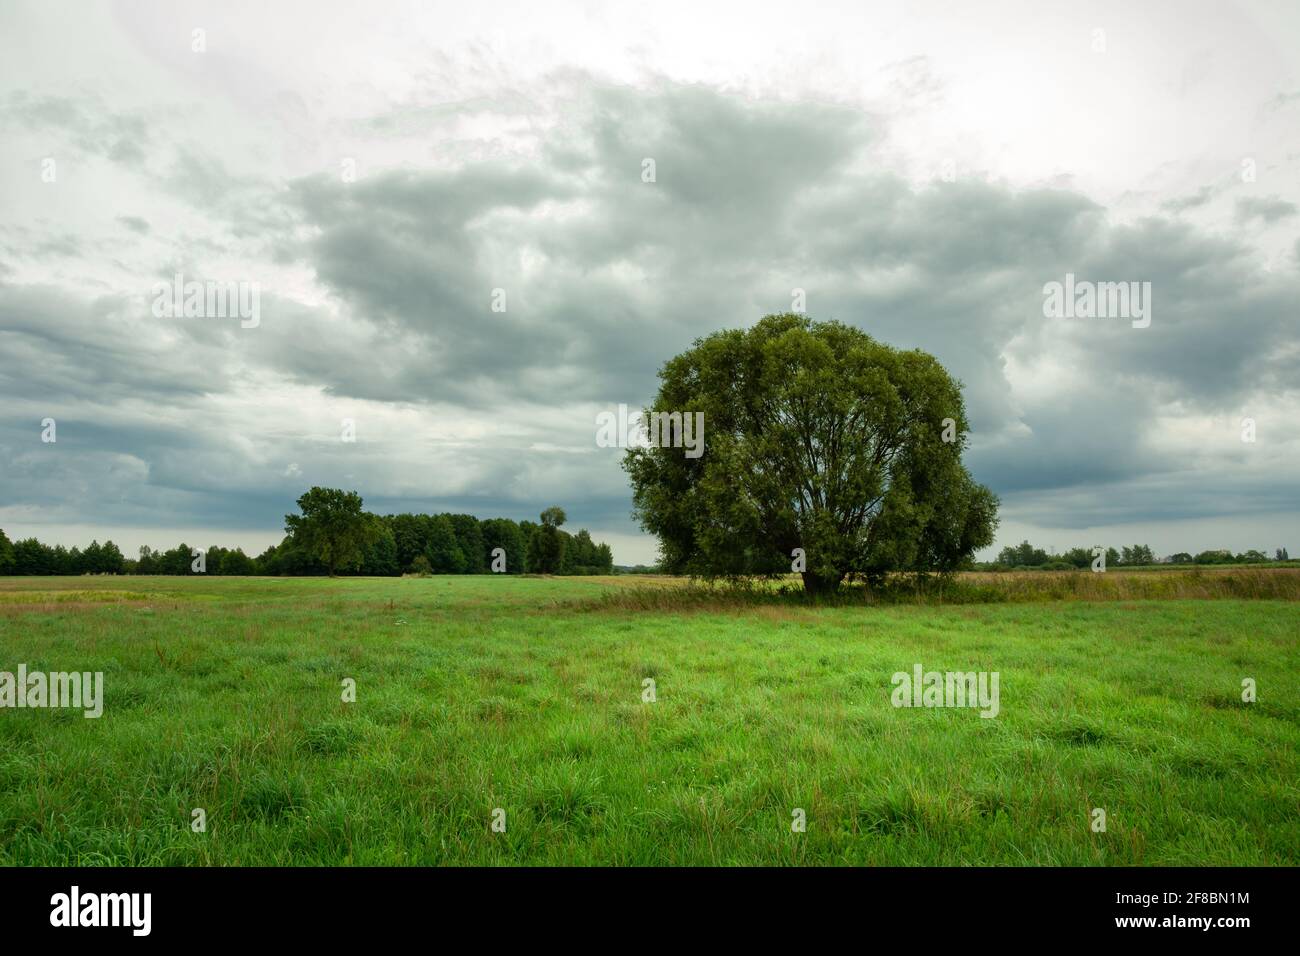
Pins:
x,y
389,546
505,534
469,538
546,546
816,437
332,527
1025,555
442,549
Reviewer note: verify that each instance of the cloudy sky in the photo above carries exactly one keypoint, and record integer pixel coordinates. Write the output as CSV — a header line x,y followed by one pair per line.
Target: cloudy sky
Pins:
x,y
378,169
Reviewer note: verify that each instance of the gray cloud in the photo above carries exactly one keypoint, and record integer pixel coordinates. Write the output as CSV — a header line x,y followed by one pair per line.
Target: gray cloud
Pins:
x,y
1267,209
606,277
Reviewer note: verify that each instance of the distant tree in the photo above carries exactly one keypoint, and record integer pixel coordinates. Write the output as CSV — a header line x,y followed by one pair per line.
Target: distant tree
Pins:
x,y
111,559
1279,555
268,562
504,534
469,537
527,529
332,528
580,553
1078,557
1182,557
1139,554
236,562
605,556
6,554
32,557
178,560
148,562
443,550
546,546
1023,555
91,560
381,555
1252,557
410,536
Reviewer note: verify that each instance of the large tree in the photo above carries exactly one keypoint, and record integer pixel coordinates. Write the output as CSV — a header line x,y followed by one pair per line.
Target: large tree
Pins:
x,y
819,438
332,528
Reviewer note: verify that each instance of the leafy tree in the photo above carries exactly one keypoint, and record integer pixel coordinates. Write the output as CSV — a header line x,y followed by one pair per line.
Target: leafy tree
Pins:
x,y
469,536
111,559
505,534
443,550
332,527
1137,555
411,536
816,437
1182,557
178,560
236,562
381,555
32,557
1024,555
605,558
6,554
546,546
1278,555
1078,557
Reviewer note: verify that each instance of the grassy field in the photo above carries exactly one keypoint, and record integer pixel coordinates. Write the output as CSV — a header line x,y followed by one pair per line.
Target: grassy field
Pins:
x,y
525,694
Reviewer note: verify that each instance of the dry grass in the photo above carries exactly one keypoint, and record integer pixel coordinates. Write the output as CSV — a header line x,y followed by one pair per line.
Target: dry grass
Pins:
x,y
980,587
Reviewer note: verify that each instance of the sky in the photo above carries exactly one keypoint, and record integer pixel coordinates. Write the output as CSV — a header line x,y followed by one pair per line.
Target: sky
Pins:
x,y
458,261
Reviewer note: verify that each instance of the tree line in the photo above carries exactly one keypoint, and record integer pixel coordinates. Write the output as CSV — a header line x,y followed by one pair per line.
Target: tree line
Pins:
x,y
376,545
1025,555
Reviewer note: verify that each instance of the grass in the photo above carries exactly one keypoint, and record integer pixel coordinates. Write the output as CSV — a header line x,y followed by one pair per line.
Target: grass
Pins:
x,y
525,694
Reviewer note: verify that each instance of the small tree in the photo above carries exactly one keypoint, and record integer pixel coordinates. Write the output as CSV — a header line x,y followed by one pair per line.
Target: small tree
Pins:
x,y
333,528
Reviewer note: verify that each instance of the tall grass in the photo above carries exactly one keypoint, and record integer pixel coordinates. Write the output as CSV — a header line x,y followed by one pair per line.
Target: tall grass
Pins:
x,y
677,594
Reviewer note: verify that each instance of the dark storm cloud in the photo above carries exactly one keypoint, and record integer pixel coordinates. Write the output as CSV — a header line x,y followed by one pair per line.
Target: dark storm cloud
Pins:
x,y
752,199
606,277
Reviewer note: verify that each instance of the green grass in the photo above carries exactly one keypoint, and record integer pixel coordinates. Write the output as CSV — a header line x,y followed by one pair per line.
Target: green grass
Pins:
x,y
475,693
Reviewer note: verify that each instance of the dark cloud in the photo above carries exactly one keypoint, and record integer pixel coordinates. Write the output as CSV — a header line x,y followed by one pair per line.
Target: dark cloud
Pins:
x,y
606,276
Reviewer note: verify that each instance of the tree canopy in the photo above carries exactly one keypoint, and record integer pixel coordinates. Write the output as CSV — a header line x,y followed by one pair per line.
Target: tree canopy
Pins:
x,y
819,438
332,527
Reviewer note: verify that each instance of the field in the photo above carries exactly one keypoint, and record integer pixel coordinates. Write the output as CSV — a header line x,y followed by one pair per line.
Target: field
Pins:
x,y
475,694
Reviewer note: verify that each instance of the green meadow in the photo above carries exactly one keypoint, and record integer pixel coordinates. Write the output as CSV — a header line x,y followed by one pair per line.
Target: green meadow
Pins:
x,y
528,695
